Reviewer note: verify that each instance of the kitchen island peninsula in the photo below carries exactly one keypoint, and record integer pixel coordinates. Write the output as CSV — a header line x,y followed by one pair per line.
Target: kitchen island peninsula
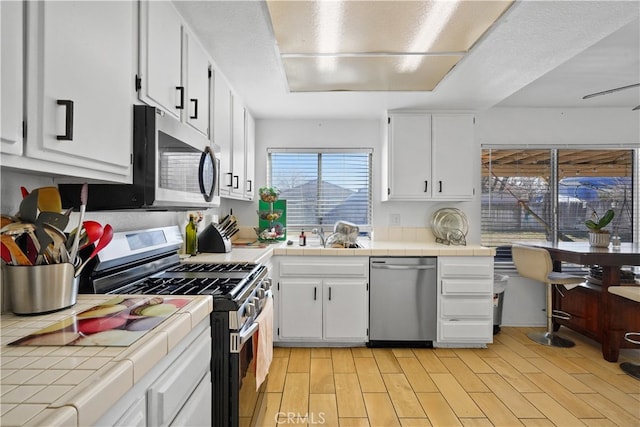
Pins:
x,y
590,303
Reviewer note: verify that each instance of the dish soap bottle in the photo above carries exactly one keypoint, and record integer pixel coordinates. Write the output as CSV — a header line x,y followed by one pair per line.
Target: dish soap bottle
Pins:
x,y
191,236
303,239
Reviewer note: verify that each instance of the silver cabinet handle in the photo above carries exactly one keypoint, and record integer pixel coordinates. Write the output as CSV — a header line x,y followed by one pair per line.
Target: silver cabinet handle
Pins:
x,y
402,267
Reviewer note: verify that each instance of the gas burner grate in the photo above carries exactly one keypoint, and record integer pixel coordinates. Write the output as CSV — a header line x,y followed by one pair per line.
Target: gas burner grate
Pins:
x,y
182,286
208,268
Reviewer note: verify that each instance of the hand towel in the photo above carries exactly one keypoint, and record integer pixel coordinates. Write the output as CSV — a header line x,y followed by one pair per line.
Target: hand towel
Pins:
x,y
264,352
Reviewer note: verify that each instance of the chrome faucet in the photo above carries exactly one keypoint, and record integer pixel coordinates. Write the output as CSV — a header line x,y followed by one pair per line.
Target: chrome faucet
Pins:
x,y
320,234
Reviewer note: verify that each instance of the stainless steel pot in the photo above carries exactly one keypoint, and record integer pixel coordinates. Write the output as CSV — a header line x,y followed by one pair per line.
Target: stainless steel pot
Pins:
x,y
348,229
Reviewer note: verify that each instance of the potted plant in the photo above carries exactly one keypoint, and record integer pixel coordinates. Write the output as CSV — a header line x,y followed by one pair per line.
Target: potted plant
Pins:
x,y
598,236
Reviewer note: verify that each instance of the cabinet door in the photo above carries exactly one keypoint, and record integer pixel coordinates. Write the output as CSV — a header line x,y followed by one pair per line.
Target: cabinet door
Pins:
x,y
79,86
160,56
238,144
12,44
300,309
250,159
222,130
453,156
346,310
197,84
410,156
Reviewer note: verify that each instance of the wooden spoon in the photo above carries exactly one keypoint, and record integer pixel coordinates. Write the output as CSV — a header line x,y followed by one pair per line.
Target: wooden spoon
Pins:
x,y
17,255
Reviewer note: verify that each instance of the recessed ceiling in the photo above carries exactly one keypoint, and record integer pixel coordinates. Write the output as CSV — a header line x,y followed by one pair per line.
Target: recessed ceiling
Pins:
x,y
376,46
542,54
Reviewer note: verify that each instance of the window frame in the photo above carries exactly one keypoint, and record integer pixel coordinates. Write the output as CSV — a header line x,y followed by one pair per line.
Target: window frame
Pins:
x,y
365,229
554,155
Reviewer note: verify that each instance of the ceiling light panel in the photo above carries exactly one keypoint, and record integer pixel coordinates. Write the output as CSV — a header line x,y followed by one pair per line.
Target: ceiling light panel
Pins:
x,y
406,31
365,73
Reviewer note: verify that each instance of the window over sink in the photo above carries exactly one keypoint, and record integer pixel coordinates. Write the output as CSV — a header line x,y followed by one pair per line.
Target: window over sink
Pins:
x,y
518,187
322,186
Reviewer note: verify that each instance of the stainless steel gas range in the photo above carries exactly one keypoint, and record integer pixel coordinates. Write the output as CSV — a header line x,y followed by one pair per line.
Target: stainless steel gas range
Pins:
x,y
146,262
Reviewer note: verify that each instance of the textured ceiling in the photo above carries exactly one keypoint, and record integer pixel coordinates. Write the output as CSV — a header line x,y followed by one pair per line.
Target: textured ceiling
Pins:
x,y
539,54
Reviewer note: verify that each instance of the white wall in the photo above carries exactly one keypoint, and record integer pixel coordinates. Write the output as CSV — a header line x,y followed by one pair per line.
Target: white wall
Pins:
x,y
362,133
556,126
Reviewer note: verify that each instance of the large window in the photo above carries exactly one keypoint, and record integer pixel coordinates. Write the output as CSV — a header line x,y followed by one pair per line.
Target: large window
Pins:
x,y
323,186
521,188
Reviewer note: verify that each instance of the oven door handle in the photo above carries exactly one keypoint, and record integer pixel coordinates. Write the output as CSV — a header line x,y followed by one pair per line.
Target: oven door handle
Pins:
x,y
246,335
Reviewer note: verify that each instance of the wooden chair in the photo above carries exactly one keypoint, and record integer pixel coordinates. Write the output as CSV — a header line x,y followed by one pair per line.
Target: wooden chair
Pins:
x,y
535,263
631,293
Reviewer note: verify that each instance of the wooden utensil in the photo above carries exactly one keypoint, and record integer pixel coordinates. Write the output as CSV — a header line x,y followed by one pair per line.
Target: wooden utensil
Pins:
x,y
18,257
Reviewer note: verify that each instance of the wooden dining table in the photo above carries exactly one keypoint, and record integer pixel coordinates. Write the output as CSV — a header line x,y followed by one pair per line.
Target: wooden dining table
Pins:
x,y
595,313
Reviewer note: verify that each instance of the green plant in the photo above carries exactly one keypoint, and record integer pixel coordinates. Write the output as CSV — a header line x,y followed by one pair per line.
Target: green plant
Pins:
x,y
596,223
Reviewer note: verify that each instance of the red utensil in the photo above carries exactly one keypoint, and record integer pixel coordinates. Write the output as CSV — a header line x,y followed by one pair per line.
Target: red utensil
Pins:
x,y
104,241
24,192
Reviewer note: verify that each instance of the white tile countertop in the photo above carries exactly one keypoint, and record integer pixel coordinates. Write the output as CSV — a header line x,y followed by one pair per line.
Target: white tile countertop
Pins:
x,y
75,385
395,241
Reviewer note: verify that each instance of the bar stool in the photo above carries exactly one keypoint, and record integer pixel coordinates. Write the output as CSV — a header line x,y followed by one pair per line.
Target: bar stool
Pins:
x,y
535,263
632,293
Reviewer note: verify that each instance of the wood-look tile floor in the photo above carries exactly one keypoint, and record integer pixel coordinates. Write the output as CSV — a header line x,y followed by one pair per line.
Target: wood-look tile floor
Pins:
x,y
513,382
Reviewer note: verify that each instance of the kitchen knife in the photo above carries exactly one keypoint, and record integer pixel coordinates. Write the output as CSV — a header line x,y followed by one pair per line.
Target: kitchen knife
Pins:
x,y
230,235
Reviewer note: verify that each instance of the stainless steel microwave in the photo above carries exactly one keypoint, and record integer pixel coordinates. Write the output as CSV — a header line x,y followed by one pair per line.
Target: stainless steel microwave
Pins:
x,y
174,166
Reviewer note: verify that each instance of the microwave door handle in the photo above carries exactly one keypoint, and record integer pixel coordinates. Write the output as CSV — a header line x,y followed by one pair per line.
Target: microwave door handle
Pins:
x,y
207,165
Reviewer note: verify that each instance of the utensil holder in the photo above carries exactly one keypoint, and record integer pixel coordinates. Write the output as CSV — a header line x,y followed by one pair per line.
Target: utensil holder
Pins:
x,y
40,289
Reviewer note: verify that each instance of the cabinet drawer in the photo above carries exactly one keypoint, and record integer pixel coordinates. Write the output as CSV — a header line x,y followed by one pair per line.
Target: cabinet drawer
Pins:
x,y
466,307
466,331
464,269
466,287
323,269
168,394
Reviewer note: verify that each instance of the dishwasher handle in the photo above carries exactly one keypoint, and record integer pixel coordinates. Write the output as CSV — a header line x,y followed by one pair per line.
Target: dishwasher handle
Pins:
x,y
403,267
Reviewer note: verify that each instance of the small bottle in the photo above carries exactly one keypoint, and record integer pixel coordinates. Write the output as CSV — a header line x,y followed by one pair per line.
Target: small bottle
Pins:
x,y
191,236
303,239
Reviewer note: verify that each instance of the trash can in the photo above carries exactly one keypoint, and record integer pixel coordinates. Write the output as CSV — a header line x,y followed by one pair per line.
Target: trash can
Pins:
x,y
499,286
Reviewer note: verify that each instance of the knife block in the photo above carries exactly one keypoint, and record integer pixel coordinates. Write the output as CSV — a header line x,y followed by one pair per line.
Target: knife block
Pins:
x,y
211,240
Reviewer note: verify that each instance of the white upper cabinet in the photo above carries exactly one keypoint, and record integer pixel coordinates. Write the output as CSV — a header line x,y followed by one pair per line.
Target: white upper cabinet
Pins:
x,y
12,48
452,147
159,78
238,144
222,130
429,156
80,94
250,157
409,156
197,84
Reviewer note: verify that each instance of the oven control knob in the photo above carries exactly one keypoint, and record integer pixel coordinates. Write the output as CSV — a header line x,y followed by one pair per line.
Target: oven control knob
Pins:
x,y
266,283
260,293
250,310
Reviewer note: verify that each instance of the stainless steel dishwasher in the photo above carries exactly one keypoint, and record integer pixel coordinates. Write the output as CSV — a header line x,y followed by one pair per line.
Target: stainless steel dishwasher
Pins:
x,y
402,301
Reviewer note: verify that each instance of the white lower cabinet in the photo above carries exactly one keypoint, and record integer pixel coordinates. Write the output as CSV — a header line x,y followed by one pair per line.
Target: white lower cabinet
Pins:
x,y
323,299
465,300
175,392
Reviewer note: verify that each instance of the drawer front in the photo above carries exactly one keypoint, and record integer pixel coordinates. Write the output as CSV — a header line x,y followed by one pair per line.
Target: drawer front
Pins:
x,y
465,270
466,287
323,269
466,331
466,307
480,268
168,394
